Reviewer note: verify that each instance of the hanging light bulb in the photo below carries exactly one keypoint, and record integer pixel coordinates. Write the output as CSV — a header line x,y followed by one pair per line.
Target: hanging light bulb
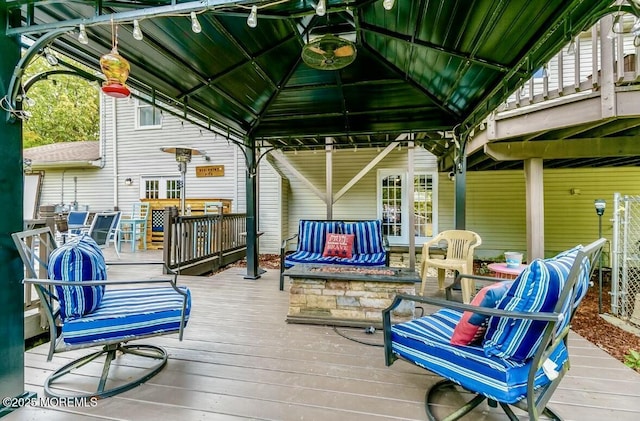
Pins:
x,y
616,28
388,4
51,59
137,32
636,41
571,49
195,24
252,20
82,36
321,8
545,71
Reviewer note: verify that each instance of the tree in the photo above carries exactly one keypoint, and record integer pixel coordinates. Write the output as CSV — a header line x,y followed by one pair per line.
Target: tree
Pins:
x,y
65,108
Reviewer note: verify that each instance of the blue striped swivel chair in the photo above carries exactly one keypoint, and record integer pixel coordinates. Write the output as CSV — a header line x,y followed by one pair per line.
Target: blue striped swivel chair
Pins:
x,y
522,356
95,312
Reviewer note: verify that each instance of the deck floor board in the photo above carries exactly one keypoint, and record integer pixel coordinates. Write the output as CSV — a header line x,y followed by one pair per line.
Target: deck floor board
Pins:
x,y
241,360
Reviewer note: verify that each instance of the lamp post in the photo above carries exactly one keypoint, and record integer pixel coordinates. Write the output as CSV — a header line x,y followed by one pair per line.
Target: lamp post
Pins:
x,y
600,205
183,156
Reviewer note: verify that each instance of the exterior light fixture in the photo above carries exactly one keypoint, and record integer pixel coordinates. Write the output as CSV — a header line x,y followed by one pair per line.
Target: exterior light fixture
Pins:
x,y
128,181
388,4
600,205
195,23
137,32
82,36
321,8
252,20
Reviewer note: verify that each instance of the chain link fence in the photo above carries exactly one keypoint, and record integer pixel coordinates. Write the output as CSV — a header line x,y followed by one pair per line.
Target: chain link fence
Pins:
x,y
625,262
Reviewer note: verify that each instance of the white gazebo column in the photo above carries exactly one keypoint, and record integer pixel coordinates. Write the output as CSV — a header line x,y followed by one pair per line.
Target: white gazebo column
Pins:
x,y
412,223
533,173
329,176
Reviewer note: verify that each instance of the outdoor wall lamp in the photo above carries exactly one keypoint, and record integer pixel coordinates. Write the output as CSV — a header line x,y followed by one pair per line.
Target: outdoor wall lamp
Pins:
x,y
600,205
128,181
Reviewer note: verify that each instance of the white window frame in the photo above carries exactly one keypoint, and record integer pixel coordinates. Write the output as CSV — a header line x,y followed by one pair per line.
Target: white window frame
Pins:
x,y
162,184
140,105
402,172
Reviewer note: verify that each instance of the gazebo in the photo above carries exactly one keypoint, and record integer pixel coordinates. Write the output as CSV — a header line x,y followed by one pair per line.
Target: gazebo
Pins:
x,y
287,75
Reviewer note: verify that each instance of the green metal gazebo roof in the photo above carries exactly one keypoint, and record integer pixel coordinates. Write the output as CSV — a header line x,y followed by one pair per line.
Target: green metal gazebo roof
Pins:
x,y
425,67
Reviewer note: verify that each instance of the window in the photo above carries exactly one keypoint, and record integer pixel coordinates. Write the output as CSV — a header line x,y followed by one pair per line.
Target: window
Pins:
x,y
160,188
147,116
393,205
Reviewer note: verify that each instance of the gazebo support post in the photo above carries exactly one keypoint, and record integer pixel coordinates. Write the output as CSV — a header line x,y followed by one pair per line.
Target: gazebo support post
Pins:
x,y
11,269
253,271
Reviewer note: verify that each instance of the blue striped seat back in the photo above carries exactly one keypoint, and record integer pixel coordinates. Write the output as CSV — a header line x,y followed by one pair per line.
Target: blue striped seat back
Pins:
x,y
537,289
368,236
313,234
80,259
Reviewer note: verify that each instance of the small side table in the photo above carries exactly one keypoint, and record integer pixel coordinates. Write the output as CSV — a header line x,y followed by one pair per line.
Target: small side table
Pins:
x,y
501,270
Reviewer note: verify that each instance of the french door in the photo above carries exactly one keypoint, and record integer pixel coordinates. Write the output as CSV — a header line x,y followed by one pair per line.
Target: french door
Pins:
x,y
394,192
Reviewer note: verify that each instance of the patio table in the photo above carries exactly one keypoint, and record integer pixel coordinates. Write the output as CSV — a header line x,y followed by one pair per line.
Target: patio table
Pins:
x,y
501,270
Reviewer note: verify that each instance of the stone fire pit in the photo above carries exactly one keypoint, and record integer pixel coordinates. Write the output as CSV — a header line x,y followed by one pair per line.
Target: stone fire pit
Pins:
x,y
348,295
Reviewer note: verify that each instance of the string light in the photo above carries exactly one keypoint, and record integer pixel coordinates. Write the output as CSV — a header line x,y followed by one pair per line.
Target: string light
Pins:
x,y
571,49
321,8
252,20
195,24
51,59
137,32
82,36
388,4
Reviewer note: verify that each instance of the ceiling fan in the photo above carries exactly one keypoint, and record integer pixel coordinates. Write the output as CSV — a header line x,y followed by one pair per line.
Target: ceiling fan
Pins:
x,y
329,52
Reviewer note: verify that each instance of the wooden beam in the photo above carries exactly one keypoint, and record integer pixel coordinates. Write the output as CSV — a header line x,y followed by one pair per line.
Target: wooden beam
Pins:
x,y
365,170
564,149
329,176
282,160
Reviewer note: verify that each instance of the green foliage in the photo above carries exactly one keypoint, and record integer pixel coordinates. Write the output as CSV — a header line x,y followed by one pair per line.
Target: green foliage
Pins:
x,y
66,108
632,359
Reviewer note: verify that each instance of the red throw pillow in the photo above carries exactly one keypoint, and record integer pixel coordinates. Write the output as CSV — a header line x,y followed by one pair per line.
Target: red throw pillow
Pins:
x,y
471,327
338,245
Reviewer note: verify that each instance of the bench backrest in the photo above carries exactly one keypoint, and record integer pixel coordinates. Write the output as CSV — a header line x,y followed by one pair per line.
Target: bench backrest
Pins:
x,y
368,239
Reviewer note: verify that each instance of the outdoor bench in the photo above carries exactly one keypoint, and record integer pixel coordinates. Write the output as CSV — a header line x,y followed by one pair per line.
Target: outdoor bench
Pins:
x,y
369,247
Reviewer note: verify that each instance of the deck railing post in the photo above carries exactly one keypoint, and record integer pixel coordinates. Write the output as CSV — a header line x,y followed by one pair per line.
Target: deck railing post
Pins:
x,y
168,240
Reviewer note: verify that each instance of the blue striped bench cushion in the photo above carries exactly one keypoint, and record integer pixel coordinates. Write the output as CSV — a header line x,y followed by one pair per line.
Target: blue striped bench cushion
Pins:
x,y
127,313
368,236
374,259
426,343
313,234
307,257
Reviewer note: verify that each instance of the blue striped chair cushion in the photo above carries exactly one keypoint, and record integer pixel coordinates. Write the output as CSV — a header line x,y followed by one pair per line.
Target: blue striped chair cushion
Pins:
x,y
80,259
368,236
536,289
129,313
307,257
425,342
313,234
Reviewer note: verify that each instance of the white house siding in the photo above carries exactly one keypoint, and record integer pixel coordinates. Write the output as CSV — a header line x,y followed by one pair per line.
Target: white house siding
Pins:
x,y
93,189
269,209
139,155
360,202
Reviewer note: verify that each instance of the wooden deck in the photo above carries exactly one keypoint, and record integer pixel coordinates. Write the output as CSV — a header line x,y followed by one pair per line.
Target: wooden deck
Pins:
x,y
239,359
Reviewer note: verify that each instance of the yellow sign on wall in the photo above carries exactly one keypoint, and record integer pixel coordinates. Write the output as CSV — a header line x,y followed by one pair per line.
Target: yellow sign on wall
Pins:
x,y
210,171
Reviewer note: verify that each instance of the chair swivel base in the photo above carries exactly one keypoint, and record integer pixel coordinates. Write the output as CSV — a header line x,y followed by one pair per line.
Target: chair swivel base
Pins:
x,y
109,352
448,387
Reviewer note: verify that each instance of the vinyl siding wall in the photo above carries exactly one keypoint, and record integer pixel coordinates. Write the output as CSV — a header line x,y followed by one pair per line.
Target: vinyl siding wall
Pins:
x,y
496,206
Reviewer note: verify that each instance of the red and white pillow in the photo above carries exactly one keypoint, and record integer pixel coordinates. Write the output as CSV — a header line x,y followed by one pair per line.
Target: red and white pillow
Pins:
x,y
472,326
338,245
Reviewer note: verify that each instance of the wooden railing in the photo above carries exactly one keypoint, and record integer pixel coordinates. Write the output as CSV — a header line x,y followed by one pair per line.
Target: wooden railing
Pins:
x,y
580,69
195,245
